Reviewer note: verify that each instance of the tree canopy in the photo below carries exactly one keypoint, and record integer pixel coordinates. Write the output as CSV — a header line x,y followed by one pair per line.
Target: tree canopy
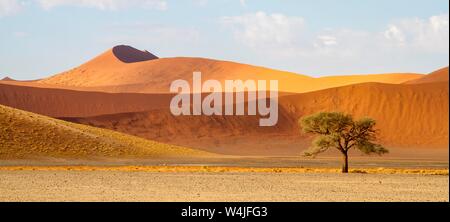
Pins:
x,y
341,131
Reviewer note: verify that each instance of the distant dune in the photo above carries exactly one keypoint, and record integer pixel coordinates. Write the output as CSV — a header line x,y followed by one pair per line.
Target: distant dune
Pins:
x,y
70,103
109,73
440,75
28,135
7,79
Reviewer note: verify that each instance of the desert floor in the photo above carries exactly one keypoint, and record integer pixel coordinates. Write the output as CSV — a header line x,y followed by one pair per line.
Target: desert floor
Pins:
x,y
119,185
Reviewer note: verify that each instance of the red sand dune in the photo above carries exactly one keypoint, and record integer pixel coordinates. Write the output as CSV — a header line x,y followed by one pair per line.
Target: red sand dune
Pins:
x,y
69,103
415,115
440,75
109,73
409,116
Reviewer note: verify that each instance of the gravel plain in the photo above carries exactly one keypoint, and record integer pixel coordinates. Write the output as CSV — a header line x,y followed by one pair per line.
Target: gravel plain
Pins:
x,y
230,187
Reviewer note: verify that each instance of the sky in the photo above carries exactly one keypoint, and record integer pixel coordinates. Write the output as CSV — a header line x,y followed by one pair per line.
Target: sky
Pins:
x,y
39,38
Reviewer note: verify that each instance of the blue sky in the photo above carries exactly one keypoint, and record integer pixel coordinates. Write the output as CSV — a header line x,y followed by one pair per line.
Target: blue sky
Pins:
x,y
39,38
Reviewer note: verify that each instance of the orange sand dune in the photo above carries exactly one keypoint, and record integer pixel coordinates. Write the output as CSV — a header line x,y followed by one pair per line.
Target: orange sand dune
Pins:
x,y
409,116
69,103
109,73
413,116
440,75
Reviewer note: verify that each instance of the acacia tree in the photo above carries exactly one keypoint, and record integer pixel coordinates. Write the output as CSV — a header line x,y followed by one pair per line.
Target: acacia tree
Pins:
x,y
340,131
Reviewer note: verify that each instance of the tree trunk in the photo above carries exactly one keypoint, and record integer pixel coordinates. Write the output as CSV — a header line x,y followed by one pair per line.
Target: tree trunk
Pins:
x,y
345,166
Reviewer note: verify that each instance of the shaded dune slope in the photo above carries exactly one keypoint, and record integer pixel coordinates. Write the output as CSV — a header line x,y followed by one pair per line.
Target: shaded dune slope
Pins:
x,y
129,54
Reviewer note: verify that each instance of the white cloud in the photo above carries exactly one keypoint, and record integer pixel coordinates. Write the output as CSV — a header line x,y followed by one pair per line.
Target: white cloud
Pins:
x,y
282,39
430,35
263,29
439,23
395,34
10,7
327,40
288,34
105,4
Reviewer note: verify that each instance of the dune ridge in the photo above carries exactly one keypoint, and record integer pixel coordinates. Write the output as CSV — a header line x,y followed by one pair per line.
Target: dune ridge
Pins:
x,y
109,74
440,75
7,79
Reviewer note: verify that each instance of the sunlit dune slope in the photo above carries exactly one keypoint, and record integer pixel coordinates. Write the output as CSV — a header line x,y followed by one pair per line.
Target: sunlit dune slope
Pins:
x,y
28,135
109,73
440,75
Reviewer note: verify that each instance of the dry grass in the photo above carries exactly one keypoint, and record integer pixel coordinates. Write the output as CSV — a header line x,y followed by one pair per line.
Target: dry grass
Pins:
x,y
24,134
213,169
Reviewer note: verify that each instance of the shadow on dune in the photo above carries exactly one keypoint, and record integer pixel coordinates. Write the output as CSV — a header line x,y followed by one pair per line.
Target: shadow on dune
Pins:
x,y
128,54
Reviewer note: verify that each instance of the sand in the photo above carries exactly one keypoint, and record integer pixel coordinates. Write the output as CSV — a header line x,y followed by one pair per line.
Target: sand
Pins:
x,y
71,103
24,134
440,75
125,90
408,116
418,116
236,187
109,73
